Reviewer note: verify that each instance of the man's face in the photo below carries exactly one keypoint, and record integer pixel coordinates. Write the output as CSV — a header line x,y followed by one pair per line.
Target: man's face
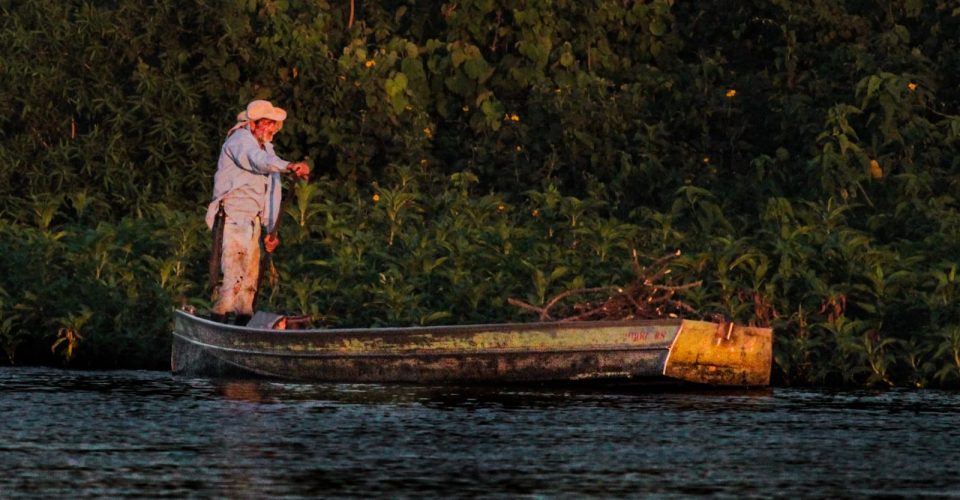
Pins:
x,y
264,129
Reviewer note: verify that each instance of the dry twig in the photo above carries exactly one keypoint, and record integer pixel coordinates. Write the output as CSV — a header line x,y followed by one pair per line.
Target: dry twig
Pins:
x,y
643,298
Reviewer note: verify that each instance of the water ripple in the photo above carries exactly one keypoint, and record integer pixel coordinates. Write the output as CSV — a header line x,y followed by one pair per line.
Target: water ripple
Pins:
x,y
135,434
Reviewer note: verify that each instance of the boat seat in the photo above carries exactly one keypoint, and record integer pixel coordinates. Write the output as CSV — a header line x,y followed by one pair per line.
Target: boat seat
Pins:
x,y
274,321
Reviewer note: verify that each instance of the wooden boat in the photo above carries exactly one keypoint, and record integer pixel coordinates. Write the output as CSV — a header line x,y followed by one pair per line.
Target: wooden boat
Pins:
x,y
621,352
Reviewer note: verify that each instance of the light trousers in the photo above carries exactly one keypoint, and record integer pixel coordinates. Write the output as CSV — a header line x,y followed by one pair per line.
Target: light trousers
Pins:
x,y
240,265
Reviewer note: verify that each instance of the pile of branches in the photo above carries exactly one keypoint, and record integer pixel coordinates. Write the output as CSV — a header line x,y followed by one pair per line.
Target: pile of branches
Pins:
x,y
644,298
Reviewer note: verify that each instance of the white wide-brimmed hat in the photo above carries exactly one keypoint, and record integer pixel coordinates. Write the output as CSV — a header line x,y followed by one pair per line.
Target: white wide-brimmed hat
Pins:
x,y
262,109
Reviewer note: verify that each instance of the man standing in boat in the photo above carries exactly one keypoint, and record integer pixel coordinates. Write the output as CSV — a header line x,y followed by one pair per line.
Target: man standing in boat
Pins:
x,y
246,197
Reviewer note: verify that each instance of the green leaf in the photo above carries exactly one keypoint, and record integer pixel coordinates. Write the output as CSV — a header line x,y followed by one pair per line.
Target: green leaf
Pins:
x,y
658,27
476,68
873,83
434,317
396,84
457,54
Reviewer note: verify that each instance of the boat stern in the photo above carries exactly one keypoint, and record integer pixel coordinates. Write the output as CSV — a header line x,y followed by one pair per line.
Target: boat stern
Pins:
x,y
721,354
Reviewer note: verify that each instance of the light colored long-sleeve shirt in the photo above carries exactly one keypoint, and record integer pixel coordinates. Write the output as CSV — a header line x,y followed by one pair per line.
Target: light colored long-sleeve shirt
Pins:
x,y
247,180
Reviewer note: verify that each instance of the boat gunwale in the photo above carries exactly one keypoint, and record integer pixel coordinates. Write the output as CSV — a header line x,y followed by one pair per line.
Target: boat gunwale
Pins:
x,y
418,353
451,329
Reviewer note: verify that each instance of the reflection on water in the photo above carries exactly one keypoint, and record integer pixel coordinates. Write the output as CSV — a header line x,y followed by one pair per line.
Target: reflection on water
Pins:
x,y
149,434
241,390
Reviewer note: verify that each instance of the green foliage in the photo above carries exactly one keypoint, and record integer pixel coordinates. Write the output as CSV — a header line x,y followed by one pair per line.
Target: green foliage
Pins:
x,y
802,155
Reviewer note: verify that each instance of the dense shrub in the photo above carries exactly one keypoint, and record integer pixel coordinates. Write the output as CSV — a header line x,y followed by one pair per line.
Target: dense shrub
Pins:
x,y
802,155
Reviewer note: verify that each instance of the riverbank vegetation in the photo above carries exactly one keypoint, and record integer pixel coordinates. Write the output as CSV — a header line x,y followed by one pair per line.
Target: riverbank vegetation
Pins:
x,y
801,156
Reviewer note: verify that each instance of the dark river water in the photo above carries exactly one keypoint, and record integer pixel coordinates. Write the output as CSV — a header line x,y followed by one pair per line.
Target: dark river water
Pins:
x,y
147,434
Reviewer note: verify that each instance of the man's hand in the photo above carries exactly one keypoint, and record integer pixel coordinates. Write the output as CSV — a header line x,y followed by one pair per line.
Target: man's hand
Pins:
x,y
300,169
270,242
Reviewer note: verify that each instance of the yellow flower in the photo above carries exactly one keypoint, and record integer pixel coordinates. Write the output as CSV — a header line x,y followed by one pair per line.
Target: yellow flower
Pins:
x,y
706,160
875,171
535,212
465,108
912,86
370,63
514,118
376,197
501,207
427,132
731,93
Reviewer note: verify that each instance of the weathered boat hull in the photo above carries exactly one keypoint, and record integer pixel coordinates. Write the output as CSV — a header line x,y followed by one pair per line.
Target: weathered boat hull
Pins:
x,y
677,350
